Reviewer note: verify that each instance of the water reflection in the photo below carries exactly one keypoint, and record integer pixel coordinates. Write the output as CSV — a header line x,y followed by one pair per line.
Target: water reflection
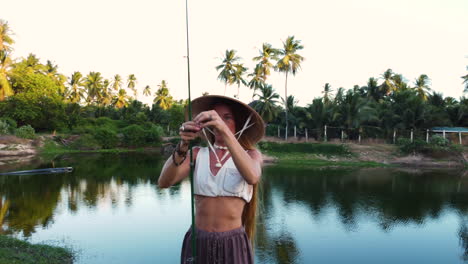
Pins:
x,y
294,202
30,201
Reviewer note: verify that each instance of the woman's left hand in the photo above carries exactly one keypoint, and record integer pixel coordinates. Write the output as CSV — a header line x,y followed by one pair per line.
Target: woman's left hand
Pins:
x,y
211,119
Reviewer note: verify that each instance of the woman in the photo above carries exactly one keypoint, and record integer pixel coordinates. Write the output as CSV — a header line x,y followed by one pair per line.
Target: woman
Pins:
x,y
225,178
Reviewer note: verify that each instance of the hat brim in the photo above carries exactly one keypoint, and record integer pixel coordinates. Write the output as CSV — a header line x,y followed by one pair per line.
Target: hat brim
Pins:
x,y
204,103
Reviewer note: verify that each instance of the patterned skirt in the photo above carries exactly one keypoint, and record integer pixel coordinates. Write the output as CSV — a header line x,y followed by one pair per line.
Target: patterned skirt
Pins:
x,y
230,247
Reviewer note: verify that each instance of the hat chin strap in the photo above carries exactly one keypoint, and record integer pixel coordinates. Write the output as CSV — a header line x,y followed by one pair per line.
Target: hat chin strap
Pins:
x,y
239,134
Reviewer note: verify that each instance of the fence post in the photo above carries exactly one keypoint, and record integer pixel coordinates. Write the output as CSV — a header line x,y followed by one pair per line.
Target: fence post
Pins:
x,y
427,135
394,135
325,137
359,136
279,132
411,136
443,133
295,133
307,136
459,138
342,135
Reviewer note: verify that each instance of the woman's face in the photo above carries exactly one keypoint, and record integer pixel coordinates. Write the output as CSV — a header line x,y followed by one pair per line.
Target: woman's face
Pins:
x,y
227,116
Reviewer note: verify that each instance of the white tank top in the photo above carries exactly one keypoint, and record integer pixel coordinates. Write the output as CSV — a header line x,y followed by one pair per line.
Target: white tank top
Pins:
x,y
227,182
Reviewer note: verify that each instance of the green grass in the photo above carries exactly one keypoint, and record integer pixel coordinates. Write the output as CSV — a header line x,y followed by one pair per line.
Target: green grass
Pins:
x,y
301,160
15,251
51,148
310,148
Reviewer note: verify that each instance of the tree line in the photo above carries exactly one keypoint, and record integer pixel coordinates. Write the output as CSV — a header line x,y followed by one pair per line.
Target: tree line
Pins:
x,y
38,94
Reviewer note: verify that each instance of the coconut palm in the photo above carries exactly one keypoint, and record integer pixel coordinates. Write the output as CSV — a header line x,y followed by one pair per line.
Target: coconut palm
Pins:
x,y
257,79
267,55
238,76
372,89
131,83
5,36
163,99
117,82
75,90
93,84
5,65
228,68
465,81
327,93
147,91
388,86
289,62
266,102
51,70
121,100
106,98
422,86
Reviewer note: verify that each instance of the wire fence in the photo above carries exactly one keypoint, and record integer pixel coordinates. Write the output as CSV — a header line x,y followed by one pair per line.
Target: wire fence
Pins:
x,y
362,135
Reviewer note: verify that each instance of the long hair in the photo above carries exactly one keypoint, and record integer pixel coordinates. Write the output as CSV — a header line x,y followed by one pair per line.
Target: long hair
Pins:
x,y
249,214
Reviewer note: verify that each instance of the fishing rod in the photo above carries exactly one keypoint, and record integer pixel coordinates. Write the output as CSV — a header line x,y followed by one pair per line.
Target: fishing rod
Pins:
x,y
194,251
40,171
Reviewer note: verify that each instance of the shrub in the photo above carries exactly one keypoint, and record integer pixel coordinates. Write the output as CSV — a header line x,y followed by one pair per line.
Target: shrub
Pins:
x,y
106,138
4,127
12,125
406,146
439,141
153,134
134,135
86,142
26,131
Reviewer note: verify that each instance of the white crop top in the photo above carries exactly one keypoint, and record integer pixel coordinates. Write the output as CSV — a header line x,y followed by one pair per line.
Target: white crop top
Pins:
x,y
227,182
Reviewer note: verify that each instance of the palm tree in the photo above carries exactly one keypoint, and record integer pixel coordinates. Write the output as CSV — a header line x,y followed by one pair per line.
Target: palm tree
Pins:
x,y
266,102
238,76
51,70
388,86
327,93
372,89
465,81
121,100
289,62
267,55
75,89
93,83
5,86
106,98
117,82
131,82
422,86
228,68
257,79
163,99
147,91
5,36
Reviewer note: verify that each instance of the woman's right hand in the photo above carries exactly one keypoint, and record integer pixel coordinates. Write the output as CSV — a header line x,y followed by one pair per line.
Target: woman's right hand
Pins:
x,y
188,131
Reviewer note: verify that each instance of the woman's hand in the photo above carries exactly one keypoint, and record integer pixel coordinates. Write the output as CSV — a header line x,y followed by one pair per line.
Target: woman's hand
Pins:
x,y
188,131
211,119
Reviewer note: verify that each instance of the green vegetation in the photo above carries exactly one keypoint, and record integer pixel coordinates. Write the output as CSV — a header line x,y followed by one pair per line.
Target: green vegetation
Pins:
x,y
437,145
26,131
17,251
309,148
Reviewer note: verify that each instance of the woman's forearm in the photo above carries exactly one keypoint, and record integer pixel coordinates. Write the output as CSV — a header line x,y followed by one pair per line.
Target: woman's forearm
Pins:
x,y
170,173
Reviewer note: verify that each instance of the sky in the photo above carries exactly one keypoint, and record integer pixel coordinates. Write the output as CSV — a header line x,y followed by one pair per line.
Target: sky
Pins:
x,y
345,42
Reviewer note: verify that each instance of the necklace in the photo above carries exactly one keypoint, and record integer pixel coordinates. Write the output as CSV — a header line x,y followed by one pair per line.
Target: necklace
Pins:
x,y
218,164
219,147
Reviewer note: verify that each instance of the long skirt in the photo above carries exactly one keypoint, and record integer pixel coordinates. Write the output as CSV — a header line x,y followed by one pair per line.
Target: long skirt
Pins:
x,y
230,247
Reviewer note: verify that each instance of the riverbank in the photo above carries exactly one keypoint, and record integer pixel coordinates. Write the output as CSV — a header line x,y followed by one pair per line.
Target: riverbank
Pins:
x,y
13,250
16,150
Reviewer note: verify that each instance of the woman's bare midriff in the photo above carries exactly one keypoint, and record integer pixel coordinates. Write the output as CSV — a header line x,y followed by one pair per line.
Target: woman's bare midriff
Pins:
x,y
218,214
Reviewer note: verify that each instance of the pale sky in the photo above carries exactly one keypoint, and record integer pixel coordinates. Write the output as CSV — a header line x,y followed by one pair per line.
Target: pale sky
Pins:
x,y
345,42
